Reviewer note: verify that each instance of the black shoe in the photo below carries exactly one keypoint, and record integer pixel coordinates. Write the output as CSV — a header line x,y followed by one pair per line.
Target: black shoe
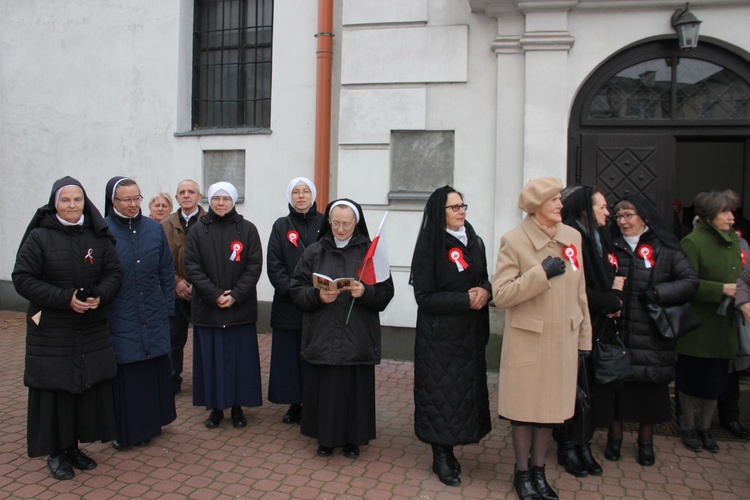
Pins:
x,y
117,446
568,458
293,414
214,419
325,451
707,438
691,440
351,450
736,428
59,467
587,459
453,461
442,467
145,442
542,487
523,485
612,450
646,454
79,459
238,417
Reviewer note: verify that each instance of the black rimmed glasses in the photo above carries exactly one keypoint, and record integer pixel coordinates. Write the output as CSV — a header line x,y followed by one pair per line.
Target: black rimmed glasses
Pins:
x,y
128,201
628,216
457,207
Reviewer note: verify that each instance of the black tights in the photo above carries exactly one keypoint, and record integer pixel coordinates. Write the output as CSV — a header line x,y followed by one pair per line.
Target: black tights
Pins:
x,y
529,440
645,431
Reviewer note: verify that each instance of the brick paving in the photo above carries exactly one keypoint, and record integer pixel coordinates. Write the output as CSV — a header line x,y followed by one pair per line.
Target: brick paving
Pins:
x,y
269,459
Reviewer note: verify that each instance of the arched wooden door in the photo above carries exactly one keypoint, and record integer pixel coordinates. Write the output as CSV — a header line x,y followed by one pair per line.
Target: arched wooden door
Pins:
x,y
635,110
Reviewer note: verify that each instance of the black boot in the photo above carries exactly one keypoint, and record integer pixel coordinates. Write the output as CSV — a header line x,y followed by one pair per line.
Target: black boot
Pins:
x,y
453,461
442,467
539,480
567,456
523,485
293,415
587,459
612,450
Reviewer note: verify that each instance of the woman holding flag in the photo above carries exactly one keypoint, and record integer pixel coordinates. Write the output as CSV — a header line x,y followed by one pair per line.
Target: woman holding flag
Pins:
x,y
451,286
341,330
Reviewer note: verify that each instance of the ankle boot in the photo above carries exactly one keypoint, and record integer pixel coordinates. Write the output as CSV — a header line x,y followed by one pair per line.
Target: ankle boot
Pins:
x,y
612,450
523,485
568,458
452,460
542,487
442,467
587,459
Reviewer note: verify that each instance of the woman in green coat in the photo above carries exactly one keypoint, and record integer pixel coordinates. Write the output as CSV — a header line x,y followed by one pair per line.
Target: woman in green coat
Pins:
x,y
703,356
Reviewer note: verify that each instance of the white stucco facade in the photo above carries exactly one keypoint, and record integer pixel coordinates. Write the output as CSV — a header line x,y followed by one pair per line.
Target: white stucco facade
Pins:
x,y
97,90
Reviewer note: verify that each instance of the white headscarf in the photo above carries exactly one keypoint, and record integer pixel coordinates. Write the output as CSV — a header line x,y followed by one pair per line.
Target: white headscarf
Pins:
x,y
346,204
223,189
300,180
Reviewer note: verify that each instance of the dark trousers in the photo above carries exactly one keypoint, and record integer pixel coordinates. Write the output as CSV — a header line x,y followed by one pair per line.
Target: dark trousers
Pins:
x,y
729,402
178,333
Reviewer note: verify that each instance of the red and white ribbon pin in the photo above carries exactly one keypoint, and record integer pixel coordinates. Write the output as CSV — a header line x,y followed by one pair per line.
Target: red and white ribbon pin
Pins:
x,y
647,253
571,253
293,237
89,256
743,255
457,256
236,248
613,261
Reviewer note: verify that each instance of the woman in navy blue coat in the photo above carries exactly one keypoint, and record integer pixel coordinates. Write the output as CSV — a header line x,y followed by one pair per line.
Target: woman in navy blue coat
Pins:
x,y
139,317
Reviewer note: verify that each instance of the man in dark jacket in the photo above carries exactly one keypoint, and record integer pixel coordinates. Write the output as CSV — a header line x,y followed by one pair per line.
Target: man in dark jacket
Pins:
x,y
177,226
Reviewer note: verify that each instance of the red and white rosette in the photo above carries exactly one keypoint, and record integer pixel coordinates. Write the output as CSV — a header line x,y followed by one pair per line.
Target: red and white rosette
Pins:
x,y
646,252
612,258
293,237
456,255
743,255
571,253
236,248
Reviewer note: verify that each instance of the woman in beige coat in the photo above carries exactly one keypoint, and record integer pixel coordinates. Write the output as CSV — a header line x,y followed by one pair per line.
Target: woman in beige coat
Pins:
x,y
539,280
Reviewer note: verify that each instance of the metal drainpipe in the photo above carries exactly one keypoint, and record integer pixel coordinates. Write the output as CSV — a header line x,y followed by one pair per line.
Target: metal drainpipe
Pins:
x,y
323,102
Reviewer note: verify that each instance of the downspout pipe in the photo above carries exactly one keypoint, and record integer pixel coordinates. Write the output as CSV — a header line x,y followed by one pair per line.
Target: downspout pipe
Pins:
x,y
323,101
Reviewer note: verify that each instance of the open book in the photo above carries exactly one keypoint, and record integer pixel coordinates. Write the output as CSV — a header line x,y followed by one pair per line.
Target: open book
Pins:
x,y
329,284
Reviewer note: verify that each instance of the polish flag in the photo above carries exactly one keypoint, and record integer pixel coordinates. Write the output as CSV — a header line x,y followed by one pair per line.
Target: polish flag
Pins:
x,y
376,266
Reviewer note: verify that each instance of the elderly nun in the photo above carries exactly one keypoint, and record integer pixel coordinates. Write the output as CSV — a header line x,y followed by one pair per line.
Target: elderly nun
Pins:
x,y
224,260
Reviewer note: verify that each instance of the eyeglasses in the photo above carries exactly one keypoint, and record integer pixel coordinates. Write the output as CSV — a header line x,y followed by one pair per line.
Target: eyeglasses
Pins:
x,y
222,199
457,207
336,224
128,201
626,216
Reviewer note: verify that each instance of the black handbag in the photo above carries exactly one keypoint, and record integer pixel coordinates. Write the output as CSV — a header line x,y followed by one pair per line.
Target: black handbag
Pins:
x,y
672,320
611,361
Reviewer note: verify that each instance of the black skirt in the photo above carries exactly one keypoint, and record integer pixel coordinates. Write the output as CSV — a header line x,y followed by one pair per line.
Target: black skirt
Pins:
x,y
58,420
144,400
704,378
644,403
285,380
339,404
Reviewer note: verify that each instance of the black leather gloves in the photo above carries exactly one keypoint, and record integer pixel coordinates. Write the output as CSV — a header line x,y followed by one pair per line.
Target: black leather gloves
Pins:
x,y
553,266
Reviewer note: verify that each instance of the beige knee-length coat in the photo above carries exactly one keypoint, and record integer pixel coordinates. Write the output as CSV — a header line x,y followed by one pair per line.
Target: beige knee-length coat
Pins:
x,y
546,323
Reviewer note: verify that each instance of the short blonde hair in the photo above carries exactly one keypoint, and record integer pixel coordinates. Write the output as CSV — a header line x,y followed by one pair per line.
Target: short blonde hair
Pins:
x,y
166,196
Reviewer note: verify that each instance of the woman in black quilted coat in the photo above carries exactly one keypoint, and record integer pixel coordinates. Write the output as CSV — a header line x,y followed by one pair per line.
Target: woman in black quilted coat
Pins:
x,y
451,286
68,270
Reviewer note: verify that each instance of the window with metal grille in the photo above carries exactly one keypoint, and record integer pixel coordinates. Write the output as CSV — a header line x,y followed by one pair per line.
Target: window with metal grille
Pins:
x,y
232,47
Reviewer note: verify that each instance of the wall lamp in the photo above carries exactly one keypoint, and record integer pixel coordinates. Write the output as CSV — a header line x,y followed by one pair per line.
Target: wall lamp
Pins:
x,y
686,25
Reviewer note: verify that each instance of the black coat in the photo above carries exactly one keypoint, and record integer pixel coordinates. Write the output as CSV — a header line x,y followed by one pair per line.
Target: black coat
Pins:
x,y
450,371
208,263
66,350
283,255
326,337
652,357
